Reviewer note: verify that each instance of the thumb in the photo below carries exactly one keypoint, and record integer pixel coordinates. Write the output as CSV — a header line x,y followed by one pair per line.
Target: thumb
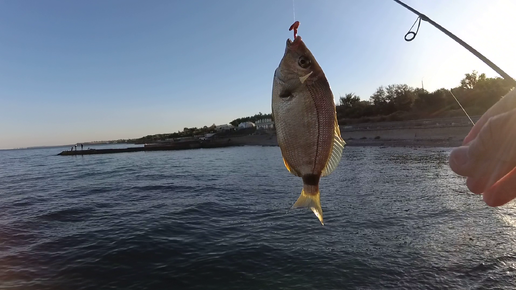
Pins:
x,y
496,139
495,143
507,103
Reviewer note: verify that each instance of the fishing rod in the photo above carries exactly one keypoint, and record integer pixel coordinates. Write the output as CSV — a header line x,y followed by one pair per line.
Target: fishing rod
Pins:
x,y
465,45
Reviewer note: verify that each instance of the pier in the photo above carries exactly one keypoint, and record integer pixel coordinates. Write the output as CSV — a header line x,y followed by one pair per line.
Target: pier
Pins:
x,y
154,147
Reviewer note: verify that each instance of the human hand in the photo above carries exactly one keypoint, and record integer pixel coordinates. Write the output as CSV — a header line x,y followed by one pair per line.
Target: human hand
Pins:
x,y
487,156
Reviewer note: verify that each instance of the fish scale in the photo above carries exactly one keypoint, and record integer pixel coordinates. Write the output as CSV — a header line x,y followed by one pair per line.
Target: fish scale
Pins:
x,y
326,109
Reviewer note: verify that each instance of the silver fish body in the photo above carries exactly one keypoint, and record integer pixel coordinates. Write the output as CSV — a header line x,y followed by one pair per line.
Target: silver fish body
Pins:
x,y
306,124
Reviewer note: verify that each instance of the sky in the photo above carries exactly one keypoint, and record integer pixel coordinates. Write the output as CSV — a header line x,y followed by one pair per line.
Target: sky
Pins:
x,y
79,71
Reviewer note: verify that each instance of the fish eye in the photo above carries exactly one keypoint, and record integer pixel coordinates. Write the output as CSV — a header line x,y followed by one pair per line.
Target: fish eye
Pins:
x,y
304,61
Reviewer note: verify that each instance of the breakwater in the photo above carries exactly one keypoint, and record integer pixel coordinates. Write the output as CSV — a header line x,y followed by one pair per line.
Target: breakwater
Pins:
x,y
154,147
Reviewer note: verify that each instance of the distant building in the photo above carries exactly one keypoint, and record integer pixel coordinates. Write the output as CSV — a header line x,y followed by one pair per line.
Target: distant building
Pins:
x,y
245,125
264,124
225,127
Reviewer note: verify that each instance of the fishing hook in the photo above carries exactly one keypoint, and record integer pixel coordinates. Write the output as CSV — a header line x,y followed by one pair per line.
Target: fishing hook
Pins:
x,y
294,26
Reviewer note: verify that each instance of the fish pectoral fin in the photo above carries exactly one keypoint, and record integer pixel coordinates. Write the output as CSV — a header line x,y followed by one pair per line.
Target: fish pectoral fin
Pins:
x,y
336,151
302,79
310,201
290,169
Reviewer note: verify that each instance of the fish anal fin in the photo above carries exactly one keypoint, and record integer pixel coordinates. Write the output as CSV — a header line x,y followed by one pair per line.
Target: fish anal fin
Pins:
x,y
336,151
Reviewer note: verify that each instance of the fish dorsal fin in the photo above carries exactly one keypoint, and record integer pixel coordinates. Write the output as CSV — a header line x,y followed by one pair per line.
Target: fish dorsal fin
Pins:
x,y
290,169
336,151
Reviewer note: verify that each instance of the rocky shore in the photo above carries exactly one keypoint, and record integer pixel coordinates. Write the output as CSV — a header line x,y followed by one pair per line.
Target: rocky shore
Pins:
x,y
443,132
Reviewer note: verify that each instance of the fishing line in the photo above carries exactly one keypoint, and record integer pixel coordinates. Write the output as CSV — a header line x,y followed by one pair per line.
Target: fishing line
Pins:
x,y
294,9
464,110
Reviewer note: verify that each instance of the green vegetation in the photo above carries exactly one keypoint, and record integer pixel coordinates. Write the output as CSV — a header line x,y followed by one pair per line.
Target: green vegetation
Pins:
x,y
400,102
250,119
191,132
187,132
395,102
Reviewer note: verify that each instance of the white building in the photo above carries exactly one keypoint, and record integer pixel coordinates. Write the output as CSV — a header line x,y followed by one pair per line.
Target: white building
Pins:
x,y
264,124
245,125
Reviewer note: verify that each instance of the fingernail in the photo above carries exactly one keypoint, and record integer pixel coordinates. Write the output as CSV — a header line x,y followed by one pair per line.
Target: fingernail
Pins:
x,y
459,156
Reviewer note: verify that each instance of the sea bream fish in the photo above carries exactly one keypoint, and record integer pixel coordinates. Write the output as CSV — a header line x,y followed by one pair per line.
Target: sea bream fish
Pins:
x,y
306,124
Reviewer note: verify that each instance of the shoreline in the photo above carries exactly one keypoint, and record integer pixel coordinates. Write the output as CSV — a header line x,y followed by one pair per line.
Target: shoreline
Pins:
x,y
368,142
429,136
394,134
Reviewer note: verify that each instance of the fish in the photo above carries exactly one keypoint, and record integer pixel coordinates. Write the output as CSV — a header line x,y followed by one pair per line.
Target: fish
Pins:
x,y
305,118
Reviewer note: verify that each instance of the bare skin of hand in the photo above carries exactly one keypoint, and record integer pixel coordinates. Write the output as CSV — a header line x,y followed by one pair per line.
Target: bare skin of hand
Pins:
x,y
487,156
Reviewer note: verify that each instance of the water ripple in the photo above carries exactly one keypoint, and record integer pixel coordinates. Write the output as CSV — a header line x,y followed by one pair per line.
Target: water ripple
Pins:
x,y
396,218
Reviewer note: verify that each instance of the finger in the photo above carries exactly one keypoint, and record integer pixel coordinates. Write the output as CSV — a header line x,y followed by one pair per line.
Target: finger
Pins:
x,y
460,161
476,185
475,164
481,173
503,191
490,156
496,140
463,163
507,103
491,173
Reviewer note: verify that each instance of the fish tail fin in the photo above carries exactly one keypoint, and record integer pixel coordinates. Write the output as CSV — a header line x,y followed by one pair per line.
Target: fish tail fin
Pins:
x,y
312,201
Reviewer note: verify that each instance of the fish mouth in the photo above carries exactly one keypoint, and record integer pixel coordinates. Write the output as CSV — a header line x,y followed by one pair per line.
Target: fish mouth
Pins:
x,y
294,43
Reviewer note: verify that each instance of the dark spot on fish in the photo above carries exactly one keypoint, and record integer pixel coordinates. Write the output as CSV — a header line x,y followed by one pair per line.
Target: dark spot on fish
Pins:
x,y
311,179
285,94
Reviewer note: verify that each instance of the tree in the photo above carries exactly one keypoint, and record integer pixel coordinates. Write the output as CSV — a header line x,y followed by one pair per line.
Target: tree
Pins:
x,y
378,98
349,100
250,118
471,79
431,102
489,91
383,100
476,93
402,96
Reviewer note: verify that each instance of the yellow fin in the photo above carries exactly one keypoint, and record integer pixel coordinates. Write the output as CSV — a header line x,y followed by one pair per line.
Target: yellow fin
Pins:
x,y
336,151
311,201
303,78
290,169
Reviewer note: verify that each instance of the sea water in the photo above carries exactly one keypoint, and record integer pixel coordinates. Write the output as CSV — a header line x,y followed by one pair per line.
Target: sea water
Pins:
x,y
395,218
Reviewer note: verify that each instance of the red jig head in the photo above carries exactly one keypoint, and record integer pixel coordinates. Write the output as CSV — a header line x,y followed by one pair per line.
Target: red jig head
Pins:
x,y
294,26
